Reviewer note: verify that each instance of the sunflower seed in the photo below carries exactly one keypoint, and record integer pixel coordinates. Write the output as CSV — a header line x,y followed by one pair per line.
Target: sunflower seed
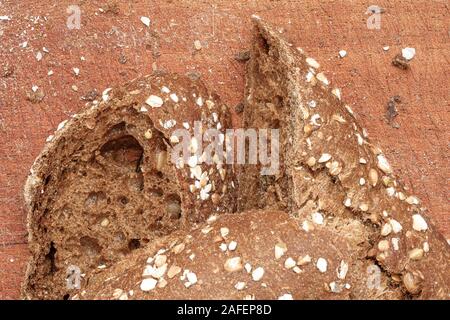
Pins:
x,y
304,260
224,232
383,164
232,245
173,271
415,254
395,243
322,78
396,226
313,63
257,274
383,245
386,229
342,270
286,296
233,264
322,265
148,284
324,158
289,263
154,101
317,218
280,250
240,285
419,223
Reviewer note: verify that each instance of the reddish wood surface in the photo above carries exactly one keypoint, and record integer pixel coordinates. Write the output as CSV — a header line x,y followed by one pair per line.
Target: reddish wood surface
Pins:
x,y
418,149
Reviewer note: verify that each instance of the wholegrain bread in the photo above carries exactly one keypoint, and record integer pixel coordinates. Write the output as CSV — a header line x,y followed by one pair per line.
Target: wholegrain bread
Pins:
x,y
331,172
105,183
333,223
250,255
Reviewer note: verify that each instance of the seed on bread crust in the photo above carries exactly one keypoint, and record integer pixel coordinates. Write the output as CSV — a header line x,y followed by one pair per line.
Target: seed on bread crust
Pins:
x,y
257,274
233,264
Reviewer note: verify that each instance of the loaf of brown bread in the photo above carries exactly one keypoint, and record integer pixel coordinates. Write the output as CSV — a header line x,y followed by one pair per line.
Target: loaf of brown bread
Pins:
x,y
105,183
333,223
331,175
250,255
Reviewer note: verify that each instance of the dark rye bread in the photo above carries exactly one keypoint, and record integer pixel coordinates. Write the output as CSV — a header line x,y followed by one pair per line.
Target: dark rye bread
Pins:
x,y
251,255
331,171
104,184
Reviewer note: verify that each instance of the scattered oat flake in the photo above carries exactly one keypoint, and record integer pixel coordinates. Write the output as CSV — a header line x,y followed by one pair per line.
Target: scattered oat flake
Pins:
x,y
408,53
197,45
76,71
146,21
342,53
61,125
39,56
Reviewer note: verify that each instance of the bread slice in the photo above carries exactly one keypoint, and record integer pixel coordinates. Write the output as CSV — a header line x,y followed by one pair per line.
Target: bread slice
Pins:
x,y
251,255
331,171
105,184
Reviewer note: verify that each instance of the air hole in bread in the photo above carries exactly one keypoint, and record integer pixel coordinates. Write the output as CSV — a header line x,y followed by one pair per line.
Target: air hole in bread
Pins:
x,y
90,246
50,259
124,151
134,244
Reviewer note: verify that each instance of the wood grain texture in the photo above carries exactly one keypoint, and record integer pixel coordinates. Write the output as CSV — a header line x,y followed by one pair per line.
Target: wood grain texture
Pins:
x,y
418,149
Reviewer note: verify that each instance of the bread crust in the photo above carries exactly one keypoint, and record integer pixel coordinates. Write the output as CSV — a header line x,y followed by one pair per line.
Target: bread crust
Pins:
x,y
104,183
257,237
330,166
